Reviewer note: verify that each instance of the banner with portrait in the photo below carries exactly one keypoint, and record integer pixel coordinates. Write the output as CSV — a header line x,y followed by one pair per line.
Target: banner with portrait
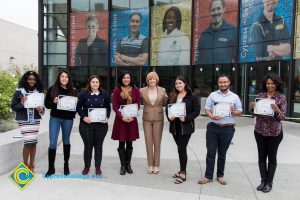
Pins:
x,y
129,37
171,33
265,30
214,31
297,32
88,39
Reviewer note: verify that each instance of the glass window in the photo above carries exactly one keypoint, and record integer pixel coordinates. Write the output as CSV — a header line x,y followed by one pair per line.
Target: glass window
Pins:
x,y
55,35
80,76
296,91
129,4
55,47
55,6
55,59
56,21
88,6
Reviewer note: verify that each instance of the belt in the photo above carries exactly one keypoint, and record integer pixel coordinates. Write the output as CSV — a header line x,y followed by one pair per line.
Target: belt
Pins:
x,y
223,125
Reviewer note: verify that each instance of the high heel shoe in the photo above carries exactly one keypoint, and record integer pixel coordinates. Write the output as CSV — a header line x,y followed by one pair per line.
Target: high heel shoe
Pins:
x,y
150,170
156,170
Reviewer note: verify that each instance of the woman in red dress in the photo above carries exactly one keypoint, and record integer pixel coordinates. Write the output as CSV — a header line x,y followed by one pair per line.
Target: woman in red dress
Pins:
x,y
125,128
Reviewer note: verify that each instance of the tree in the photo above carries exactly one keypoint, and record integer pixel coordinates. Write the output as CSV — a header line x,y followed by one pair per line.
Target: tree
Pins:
x,y
8,85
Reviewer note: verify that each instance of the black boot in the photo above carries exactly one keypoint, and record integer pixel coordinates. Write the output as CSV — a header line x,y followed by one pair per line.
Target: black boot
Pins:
x,y
270,177
122,157
51,160
67,149
263,175
128,160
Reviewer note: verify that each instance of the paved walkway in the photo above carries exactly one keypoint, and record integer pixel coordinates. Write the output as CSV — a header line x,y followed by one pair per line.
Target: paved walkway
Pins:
x,y
241,170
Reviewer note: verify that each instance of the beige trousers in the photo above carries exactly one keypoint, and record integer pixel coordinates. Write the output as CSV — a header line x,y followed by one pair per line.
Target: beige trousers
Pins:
x,y
153,133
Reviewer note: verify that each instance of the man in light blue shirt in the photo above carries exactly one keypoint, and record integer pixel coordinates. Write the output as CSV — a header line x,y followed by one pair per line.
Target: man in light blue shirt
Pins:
x,y
220,129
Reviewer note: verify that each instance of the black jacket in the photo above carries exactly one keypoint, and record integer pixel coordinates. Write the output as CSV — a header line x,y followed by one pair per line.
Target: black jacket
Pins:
x,y
21,112
192,111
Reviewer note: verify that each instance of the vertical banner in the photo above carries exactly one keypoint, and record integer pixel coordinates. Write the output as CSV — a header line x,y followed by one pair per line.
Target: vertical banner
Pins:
x,y
214,31
265,30
129,37
88,39
171,34
297,32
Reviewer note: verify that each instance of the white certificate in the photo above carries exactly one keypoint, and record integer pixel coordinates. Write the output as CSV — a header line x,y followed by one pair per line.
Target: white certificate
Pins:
x,y
34,100
177,110
222,109
97,114
263,106
130,110
67,103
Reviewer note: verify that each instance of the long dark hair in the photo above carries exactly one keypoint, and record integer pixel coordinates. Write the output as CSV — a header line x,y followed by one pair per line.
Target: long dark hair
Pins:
x,y
175,92
88,88
70,85
23,83
178,17
121,75
276,79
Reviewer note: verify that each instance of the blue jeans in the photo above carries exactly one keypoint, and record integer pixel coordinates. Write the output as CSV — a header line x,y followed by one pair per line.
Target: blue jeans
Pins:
x,y
54,127
218,140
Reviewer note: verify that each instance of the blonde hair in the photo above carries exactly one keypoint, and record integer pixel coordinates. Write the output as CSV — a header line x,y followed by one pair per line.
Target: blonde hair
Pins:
x,y
150,75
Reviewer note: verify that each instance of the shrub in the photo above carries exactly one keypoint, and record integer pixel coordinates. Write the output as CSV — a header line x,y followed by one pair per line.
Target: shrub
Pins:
x,y
8,86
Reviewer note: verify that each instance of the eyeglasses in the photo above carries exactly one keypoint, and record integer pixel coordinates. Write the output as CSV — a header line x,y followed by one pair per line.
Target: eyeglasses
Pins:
x,y
134,21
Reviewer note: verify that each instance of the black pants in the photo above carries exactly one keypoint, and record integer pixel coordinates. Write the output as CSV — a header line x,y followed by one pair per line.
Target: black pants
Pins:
x,y
182,142
267,147
93,136
218,140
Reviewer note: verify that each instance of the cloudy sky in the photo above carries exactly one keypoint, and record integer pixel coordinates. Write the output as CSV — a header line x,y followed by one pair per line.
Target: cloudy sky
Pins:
x,y
22,12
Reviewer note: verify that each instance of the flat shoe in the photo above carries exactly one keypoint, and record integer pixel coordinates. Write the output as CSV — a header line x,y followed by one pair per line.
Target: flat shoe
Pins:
x,y
204,181
221,180
179,180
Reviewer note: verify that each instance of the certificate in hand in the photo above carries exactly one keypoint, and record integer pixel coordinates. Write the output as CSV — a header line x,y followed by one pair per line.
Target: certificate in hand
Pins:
x,y
177,110
34,100
222,109
130,110
68,103
97,114
263,106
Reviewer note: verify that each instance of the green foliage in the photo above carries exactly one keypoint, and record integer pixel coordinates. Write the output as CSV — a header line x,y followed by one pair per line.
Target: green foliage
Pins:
x,y
8,85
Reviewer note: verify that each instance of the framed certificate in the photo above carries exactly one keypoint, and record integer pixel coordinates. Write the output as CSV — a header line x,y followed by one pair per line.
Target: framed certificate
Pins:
x,y
97,114
177,110
263,106
34,100
130,110
222,109
68,103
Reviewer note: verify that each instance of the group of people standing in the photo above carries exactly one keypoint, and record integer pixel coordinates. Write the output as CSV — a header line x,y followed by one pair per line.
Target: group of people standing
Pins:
x,y
220,130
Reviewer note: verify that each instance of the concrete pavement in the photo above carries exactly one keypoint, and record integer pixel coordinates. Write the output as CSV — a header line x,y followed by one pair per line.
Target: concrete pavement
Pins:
x,y
241,170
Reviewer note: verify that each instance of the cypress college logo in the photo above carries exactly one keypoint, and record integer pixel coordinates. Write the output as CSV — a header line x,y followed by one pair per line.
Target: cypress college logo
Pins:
x,y
22,176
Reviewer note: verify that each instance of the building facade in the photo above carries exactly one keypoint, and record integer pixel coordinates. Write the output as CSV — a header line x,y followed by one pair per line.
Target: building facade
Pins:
x,y
198,39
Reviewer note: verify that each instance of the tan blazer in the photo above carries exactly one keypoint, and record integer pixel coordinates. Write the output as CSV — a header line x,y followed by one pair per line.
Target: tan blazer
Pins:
x,y
153,112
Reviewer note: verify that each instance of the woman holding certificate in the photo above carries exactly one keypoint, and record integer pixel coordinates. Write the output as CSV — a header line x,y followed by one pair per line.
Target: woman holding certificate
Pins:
x,y
154,98
28,117
268,128
61,116
126,102
94,110
182,121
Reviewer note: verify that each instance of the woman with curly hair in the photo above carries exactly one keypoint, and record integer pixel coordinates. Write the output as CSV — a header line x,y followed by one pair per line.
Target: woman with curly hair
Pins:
x,y
28,118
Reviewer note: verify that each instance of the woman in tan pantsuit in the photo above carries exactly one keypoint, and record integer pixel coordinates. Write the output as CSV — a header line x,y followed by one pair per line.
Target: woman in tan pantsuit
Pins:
x,y
154,98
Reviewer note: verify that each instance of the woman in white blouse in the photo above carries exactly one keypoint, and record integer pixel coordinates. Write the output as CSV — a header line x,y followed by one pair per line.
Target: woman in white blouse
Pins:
x,y
153,98
174,48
